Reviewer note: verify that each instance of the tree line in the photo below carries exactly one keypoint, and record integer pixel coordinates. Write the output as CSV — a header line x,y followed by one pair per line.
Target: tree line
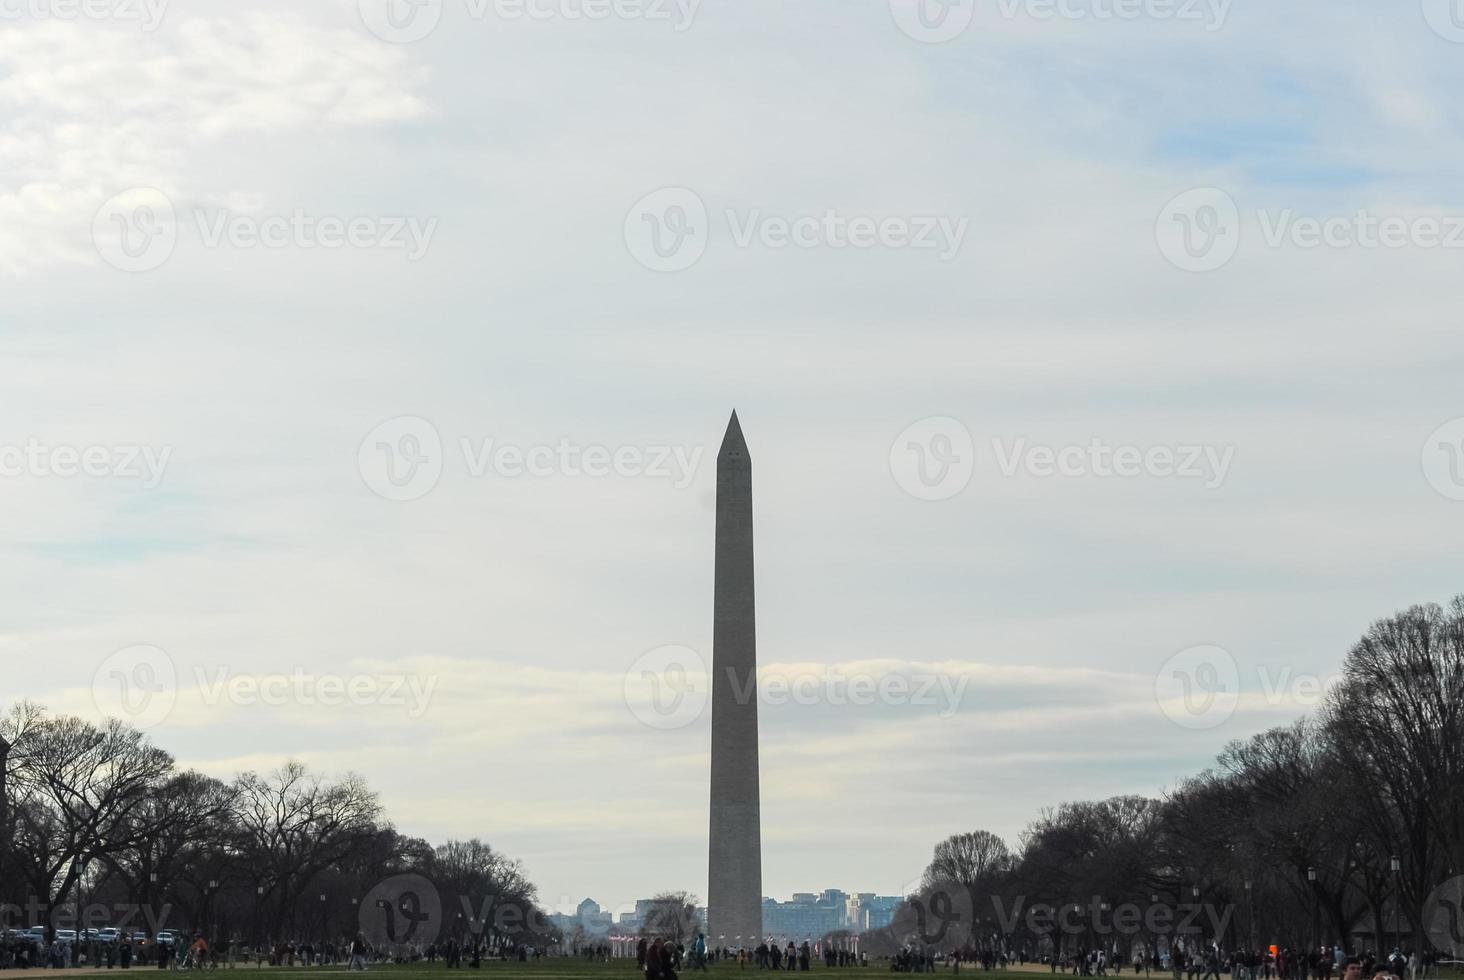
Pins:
x,y
99,827
1347,823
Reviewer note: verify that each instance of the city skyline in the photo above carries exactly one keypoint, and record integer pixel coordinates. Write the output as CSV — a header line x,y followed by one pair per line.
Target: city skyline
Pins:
x,y
812,914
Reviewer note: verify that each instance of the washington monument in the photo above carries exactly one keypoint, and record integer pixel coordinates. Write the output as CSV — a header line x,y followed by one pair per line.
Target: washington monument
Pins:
x,y
734,891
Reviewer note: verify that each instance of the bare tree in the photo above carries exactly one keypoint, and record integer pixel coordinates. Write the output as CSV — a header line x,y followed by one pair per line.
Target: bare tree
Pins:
x,y
973,859
80,790
671,916
1398,721
296,826
489,890
182,829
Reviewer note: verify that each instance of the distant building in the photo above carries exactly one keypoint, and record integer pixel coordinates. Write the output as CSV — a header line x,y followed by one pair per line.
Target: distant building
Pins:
x,y
587,917
806,915
810,916
877,911
797,919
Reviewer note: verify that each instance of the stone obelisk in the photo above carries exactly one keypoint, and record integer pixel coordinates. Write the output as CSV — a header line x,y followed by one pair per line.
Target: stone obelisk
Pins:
x,y
734,891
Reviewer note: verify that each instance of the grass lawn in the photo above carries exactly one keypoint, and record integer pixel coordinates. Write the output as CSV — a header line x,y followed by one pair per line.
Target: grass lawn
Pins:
x,y
560,968
549,968
554,968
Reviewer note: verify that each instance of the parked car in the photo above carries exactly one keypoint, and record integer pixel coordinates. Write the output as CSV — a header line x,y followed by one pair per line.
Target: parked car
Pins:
x,y
67,936
167,937
88,935
109,935
139,938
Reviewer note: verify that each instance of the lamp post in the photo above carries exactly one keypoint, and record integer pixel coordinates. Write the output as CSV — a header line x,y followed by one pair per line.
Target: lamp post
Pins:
x,y
1250,910
1151,942
1311,877
151,897
1195,894
1395,864
4,810
324,929
258,903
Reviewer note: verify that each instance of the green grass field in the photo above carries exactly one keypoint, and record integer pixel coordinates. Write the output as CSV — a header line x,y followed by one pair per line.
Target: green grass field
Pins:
x,y
554,968
561,968
549,968
564,968
546,969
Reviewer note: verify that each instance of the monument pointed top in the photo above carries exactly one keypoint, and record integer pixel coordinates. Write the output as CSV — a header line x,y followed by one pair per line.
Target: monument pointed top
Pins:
x,y
732,443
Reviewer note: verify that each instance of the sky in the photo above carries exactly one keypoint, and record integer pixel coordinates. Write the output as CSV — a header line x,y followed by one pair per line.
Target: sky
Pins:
x,y
366,365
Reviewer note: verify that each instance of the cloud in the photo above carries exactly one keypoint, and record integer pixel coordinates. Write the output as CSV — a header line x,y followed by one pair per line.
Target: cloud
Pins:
x,y
93,110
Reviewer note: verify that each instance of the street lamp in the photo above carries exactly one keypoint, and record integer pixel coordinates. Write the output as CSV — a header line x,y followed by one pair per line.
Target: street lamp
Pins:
x,y
258,901
1250,907
152,892
1397,897
1311,877
1150,943
208,893
4,809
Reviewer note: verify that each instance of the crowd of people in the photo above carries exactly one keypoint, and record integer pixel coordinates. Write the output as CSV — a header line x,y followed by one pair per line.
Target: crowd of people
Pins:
x,y
1207,963
660,959
663,959
1278,963
22,951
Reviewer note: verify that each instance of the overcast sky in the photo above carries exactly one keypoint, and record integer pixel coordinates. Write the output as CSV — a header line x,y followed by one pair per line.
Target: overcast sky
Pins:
x,y
1057,408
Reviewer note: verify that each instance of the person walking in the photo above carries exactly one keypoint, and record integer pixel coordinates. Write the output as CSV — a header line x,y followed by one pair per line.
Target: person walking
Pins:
x,y
358,954
699,953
